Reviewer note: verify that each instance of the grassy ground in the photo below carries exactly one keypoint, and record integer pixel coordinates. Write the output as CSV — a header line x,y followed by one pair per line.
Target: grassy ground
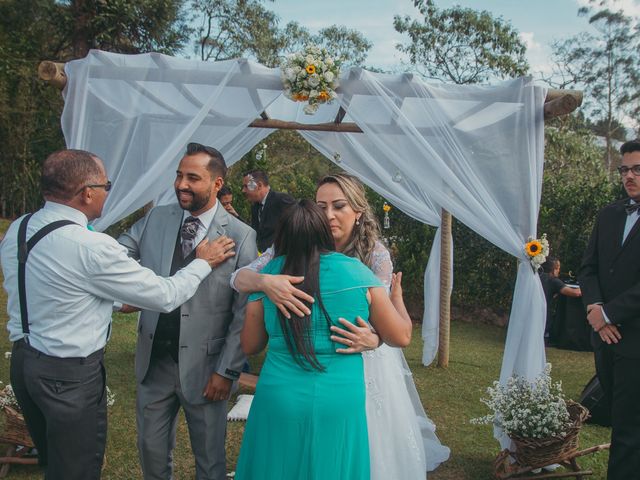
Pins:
x,y
450,396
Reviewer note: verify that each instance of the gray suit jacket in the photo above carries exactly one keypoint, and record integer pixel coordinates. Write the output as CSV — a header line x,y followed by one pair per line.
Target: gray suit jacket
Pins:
x,y
211,321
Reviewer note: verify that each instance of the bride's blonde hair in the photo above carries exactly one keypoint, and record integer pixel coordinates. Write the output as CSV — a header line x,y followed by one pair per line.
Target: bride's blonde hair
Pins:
x,y
366,231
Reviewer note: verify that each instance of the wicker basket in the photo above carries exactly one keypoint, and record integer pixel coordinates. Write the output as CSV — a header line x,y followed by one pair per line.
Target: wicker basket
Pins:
x,y
14,429
539,452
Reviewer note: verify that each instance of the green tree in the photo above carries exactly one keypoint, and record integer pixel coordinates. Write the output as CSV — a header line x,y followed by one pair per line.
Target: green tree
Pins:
x,y
576,185
605,64
123,26
348,44
36,30
461,45
236,28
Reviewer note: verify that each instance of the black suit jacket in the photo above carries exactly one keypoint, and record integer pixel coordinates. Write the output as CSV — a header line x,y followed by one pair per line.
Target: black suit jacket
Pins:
x,y
275,204
610,274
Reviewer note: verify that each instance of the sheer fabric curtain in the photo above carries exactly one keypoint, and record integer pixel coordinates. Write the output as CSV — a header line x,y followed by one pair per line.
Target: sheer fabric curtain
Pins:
x,y
477,152
137,113
356,154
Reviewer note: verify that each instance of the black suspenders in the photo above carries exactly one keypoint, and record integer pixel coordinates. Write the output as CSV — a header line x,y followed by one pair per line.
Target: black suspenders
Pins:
x,y
24,248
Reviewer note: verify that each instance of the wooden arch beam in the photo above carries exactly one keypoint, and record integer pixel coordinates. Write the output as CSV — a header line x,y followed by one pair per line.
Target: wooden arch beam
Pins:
x,y
557,103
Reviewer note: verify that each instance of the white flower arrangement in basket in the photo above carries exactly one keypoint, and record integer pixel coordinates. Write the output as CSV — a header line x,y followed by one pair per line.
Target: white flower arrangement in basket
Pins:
x,y
537,249
310,75
528,409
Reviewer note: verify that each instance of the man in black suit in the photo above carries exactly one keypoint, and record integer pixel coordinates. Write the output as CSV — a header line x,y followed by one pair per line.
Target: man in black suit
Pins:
x,y
267,206
610,282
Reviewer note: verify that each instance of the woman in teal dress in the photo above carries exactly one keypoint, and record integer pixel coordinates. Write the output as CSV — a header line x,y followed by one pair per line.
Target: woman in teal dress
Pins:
x,y
308,421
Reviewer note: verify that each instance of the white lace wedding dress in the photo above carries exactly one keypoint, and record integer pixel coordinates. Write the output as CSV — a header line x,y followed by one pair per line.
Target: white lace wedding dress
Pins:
x,y
402,440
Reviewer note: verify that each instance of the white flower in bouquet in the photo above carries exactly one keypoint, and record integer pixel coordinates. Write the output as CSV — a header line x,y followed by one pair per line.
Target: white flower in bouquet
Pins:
x,y
310,76
314,80
527,409
290,74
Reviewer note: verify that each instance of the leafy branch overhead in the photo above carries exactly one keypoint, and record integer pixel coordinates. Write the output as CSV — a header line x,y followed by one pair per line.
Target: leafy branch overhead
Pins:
x,y
246,28
461,45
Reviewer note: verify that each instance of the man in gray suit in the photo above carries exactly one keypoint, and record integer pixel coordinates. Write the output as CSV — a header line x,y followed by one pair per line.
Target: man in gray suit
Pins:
x,y
190,357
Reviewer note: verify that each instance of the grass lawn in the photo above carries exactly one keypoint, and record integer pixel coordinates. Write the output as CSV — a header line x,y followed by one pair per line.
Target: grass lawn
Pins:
x,y
450,397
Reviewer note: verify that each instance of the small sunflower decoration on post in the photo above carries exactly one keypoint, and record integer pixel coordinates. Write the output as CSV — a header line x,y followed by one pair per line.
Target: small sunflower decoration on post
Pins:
x,y
310,75
387,208
537,249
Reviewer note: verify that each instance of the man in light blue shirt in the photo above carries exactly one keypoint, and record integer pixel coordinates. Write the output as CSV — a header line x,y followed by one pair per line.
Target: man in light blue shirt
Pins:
x,y
60,294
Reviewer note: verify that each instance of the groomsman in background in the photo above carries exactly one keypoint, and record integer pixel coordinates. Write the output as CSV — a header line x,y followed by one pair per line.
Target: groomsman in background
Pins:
x,y
267,206
225,195
610,282
190,357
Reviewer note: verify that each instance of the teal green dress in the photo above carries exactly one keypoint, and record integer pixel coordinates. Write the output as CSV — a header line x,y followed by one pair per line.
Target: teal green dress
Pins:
x,y
307,424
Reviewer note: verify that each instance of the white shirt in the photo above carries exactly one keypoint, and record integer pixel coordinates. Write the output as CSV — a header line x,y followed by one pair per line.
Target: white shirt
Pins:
x,y
631,221
205,219
73,275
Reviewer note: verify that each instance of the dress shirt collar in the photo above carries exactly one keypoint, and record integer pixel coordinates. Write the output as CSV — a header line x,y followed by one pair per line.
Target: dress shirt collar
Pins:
x,y
264,200
66,212
205,218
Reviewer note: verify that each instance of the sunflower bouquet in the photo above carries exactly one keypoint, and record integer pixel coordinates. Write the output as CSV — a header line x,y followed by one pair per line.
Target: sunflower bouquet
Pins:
x,y
537,249
310,75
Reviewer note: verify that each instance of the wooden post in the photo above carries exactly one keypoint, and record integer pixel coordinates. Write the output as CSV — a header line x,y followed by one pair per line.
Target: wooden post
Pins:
x,y
445,285
53,73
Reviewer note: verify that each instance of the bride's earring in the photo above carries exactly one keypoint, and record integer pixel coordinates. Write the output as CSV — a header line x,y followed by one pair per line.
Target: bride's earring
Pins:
x,y
357,221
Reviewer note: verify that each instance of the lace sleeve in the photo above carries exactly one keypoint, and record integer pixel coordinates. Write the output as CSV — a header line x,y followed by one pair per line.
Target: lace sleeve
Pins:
x,y
256,266
381,264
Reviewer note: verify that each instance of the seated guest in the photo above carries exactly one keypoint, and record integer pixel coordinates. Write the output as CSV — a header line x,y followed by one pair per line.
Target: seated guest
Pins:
x,y
267,206
225,195
552,286
308,418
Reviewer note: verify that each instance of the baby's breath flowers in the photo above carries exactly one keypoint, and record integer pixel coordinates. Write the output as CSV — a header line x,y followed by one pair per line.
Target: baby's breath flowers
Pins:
x,y
527,409
310,75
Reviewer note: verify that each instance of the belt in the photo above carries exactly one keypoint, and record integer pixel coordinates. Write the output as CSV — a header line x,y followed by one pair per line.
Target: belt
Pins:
x,y
97,355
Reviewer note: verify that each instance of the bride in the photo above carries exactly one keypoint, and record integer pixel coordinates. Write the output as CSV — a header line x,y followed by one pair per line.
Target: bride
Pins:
x,y
402,440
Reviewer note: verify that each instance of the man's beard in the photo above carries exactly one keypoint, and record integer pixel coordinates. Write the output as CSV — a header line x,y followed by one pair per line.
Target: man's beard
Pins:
x,y
198,201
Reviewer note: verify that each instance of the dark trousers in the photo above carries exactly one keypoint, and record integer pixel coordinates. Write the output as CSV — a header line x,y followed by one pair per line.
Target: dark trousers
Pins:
x,y
65,408
620,380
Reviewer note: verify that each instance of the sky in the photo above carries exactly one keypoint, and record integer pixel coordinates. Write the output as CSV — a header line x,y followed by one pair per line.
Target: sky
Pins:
x,y
539,22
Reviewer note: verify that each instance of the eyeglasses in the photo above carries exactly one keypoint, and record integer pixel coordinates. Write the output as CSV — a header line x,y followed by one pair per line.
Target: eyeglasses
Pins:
x,y
623,170
106,186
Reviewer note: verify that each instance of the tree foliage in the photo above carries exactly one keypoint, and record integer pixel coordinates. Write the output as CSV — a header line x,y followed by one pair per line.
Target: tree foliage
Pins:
x,y
461,45
606,65
236,28
123,26
348,44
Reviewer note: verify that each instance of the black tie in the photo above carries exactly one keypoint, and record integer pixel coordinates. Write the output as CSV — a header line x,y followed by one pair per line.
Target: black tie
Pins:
x,y
632,207
188,234
260,213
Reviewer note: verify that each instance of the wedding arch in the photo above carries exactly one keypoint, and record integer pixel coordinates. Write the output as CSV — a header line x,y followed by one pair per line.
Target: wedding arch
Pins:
x,y
474,151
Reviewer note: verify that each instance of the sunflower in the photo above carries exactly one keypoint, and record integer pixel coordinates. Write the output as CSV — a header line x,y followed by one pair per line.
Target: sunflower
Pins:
x,y
323,96
311,69
533,248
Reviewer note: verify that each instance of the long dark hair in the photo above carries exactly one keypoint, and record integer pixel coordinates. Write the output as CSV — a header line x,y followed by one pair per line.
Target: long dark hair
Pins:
x,y
302,234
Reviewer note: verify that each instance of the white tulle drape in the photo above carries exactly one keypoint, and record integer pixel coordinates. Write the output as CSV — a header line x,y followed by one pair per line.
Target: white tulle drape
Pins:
x,y
475,151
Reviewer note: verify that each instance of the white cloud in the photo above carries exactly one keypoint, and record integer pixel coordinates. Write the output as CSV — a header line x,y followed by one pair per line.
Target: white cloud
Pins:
x,y
530,43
